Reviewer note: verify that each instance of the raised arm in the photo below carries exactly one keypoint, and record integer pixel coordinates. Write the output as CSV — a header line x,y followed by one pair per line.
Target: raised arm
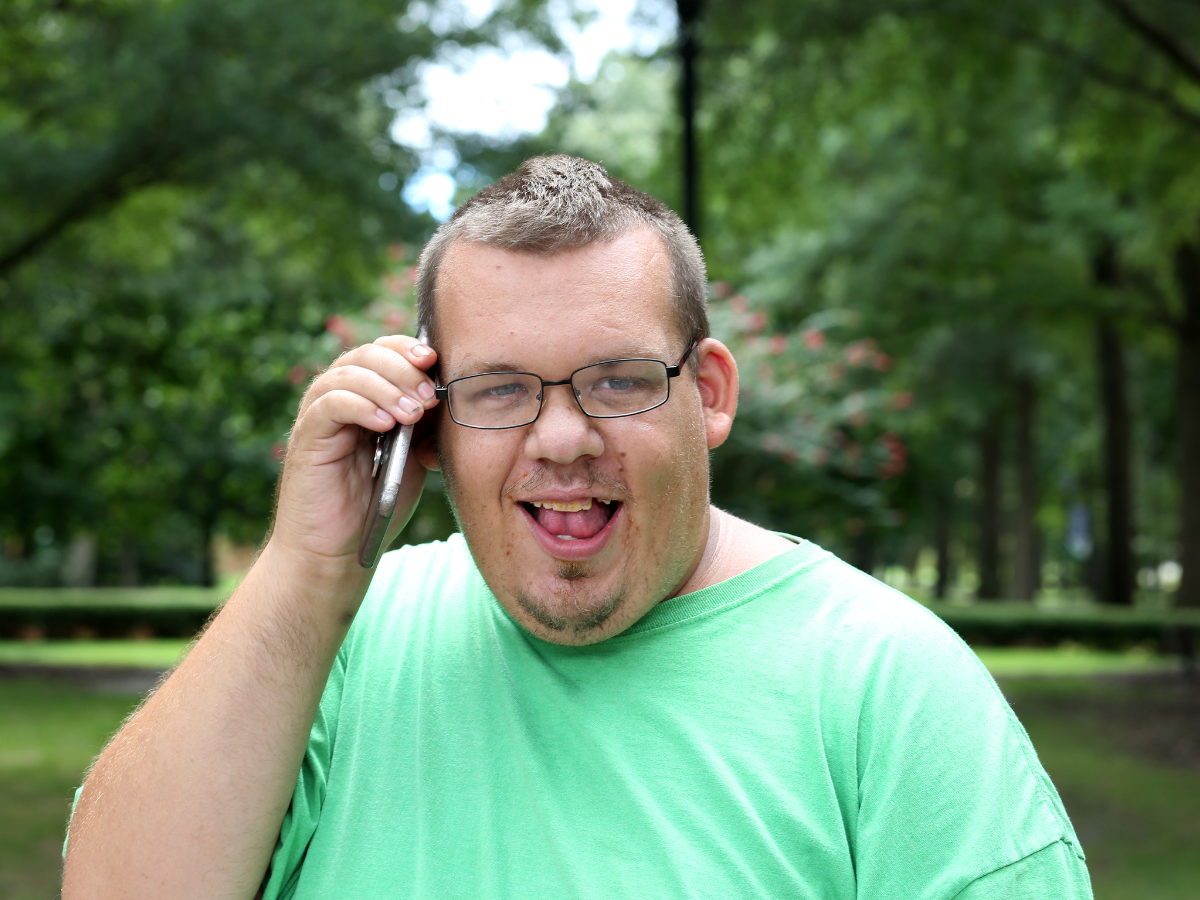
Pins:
x,y
187,799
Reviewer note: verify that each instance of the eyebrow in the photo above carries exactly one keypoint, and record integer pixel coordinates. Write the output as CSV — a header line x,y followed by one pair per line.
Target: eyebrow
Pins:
x,y
472,368
485,367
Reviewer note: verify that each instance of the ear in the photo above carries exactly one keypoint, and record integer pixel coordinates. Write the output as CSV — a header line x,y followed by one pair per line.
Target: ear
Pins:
x,y
717,380
425,445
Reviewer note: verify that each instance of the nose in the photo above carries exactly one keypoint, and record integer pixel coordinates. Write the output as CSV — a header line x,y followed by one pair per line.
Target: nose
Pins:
x,y
562,433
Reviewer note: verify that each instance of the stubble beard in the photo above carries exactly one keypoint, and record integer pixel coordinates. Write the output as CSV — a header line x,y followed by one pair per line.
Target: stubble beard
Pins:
x,y
577,619
580,613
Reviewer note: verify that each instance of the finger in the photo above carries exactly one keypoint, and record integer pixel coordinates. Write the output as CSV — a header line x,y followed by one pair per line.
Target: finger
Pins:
x,y
395,366
332,411
404,406
419,354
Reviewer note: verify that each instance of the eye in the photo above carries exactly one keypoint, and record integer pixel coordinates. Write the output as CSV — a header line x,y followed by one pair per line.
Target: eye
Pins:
x,y
619,383
501,391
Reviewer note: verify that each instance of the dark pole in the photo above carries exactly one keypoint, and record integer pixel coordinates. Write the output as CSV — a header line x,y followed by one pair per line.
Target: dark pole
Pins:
x,y
1118,439
689,48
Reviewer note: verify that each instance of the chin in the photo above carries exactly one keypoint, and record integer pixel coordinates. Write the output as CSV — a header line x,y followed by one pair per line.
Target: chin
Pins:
x,y
568,603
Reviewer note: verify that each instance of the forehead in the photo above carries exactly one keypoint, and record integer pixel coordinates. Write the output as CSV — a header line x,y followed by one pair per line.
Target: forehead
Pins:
x,y
605,299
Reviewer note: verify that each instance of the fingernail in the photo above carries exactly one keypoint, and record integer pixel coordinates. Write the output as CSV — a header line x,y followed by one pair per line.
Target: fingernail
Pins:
x,y
408,405
425,390
420,350
383,417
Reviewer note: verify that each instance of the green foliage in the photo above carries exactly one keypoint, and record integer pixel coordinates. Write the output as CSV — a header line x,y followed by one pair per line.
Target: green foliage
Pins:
x,y
189,190
945,176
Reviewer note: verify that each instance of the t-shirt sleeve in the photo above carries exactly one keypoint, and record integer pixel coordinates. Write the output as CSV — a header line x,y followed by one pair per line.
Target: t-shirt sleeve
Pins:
x,y
950,789
1053,873
300,821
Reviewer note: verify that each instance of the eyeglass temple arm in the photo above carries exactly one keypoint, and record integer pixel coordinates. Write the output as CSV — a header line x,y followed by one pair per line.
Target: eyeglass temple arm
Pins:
x,y
674,370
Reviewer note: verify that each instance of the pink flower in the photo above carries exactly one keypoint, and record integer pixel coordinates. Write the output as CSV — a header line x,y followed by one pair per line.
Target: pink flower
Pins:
x,y
739,304
903,400
856,354
814,339
778,344
756,321
883,362
339,327
721,289
297,375
396,252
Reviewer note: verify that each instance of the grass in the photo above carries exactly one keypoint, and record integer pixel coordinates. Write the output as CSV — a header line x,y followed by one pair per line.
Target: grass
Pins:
x,y
156,653
51,732
180,597
1125,756
1123,750
1069,660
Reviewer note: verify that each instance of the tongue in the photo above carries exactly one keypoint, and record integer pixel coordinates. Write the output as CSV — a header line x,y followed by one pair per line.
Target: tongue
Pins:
x,y
582,524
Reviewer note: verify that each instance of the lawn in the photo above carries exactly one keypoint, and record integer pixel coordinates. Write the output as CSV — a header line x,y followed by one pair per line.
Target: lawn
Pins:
x,y
1120,738
52,729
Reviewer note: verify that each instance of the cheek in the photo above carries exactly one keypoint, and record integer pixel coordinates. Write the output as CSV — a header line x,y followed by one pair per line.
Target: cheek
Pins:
x,y
475,473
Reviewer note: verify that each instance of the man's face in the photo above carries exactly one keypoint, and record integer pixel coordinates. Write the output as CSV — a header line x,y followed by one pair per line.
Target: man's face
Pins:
x,y
629,496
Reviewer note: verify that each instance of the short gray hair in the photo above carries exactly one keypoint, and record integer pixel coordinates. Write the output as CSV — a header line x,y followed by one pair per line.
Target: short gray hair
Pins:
x,y
553,203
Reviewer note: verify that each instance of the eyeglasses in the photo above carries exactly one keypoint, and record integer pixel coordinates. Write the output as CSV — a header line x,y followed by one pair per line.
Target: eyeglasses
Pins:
x,y
603,390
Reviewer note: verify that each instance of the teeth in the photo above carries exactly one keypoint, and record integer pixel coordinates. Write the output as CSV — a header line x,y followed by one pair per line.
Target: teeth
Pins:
x,y
565,537
564,505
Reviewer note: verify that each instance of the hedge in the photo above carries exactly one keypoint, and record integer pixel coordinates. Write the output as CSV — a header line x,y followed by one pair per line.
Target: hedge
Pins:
x,y
105,612
181,611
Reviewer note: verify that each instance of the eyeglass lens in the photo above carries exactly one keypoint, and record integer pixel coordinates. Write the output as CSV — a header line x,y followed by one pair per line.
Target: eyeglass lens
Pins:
x,y
605,390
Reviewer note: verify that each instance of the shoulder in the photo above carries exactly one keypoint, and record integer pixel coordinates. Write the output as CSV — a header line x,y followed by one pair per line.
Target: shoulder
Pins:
x,y
416,581
860,621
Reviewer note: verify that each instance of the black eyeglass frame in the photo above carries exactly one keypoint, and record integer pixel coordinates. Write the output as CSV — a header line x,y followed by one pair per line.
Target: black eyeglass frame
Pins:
x,y
442,392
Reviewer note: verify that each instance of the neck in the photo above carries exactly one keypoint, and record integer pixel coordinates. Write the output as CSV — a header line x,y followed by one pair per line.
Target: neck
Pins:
x,y
731,546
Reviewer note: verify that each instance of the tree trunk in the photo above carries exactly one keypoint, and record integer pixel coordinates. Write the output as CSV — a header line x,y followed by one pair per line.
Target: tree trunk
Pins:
x,y
864,551
1027,562
1117,552
941,543
1187,269
689,49
989,512
1118,465
128,574
207,569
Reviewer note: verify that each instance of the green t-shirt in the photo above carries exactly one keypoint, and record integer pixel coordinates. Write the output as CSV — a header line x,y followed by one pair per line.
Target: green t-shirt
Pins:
x,y
799,731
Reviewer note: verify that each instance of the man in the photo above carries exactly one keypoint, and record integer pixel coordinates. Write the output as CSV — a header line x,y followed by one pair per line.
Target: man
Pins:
x,y
605,687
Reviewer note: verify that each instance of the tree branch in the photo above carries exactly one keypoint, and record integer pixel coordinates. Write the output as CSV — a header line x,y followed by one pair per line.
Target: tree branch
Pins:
x,y
104,193
1156,37
1118,80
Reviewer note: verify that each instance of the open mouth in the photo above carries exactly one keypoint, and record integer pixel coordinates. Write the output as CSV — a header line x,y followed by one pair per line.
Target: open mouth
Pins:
x,y
572,529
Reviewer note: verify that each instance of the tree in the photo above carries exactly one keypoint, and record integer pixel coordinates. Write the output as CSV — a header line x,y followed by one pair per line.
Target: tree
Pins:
x,y
189,190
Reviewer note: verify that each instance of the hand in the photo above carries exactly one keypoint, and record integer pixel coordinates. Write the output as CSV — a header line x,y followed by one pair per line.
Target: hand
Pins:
x,y
326,482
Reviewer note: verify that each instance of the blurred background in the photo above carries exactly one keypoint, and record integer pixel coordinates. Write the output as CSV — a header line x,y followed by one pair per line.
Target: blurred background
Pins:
x,y
955,247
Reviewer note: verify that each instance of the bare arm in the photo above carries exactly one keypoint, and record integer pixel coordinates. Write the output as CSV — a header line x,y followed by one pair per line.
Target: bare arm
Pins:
x,y
187,799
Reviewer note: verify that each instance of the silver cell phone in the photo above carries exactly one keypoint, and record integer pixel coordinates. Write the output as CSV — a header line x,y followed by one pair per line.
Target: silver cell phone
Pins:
x,y
391,452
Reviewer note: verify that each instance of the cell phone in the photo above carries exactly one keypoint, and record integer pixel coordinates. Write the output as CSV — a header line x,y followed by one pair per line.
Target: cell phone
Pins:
x,y
391,452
